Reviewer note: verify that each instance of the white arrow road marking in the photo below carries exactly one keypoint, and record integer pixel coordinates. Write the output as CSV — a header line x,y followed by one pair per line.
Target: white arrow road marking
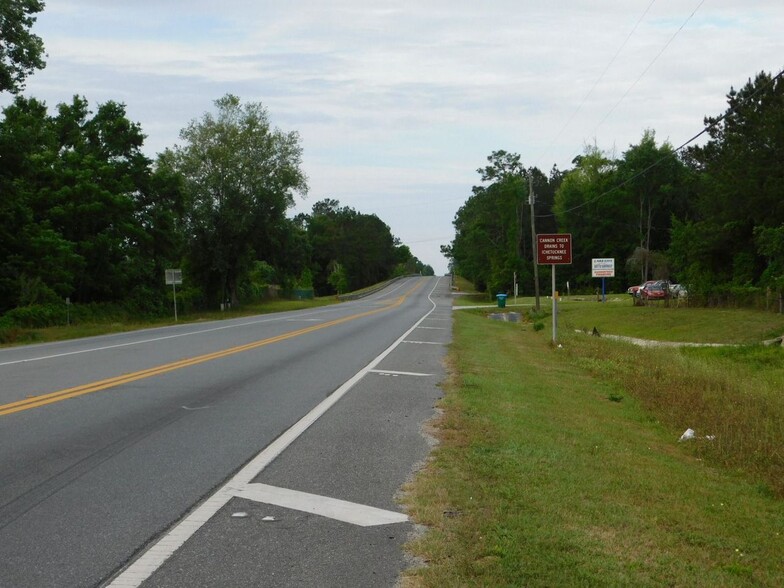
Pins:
x,y
394,373
340,510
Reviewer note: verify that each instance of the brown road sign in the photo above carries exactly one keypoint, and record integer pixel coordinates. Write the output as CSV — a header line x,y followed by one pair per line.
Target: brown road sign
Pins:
x,y
554,249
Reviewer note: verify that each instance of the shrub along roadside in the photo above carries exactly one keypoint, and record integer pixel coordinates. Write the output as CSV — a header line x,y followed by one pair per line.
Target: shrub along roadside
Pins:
x,y
550,472
40,323
22,324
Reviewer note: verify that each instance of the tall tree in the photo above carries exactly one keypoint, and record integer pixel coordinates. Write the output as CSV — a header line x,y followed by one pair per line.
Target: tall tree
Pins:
x,y
241,176
623,209
93,200
655,179
360,245
32,252
21,52
741,182
493,228
599,219
72,189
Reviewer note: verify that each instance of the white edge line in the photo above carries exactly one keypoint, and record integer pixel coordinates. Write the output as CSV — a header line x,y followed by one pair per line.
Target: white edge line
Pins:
x,y
152,559
156,339
287,318
396,373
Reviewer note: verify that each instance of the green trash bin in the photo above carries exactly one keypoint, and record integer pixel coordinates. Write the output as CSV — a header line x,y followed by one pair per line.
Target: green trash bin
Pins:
x,y
501,300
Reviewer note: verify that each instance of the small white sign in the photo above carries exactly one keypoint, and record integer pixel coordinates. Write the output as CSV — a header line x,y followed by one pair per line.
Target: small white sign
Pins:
x,y
603,267
173,277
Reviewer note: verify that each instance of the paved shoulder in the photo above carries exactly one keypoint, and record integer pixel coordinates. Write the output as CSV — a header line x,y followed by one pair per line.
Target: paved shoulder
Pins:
x,y
320,509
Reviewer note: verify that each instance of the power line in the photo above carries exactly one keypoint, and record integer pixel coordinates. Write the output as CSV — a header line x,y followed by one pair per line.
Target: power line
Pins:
x,y
731,111
599,79
645,71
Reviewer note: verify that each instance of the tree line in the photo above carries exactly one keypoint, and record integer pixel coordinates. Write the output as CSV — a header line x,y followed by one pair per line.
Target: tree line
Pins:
x,y
88,217
710,216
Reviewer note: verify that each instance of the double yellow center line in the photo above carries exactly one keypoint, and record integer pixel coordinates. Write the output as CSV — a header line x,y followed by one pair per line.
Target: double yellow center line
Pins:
x,y
44,399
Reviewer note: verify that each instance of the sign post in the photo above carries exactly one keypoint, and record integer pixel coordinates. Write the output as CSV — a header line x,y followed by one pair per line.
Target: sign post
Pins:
x,y
603,268
174,277
554,249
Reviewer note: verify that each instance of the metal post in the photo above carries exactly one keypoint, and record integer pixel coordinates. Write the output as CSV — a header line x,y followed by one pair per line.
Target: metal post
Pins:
x,y
604,298
174,294
555,308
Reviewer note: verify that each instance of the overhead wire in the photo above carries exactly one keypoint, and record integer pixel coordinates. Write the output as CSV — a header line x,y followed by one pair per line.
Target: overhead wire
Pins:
x,y
645,71
678,149
599,79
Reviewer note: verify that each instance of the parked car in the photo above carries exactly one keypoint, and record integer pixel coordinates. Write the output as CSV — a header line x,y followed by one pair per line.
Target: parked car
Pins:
x,y
678,291
635,290
655,291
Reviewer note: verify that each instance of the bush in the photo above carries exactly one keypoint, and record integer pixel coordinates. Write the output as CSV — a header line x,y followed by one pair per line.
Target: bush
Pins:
x,y
730,296
36,316
39,316
10,335
147,302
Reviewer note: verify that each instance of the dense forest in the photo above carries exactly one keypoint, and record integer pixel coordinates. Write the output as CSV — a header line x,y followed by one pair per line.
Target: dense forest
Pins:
x,y
710,216
88,218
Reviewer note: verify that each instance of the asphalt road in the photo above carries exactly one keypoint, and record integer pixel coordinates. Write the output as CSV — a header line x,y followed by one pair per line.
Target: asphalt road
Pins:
x,y
263,451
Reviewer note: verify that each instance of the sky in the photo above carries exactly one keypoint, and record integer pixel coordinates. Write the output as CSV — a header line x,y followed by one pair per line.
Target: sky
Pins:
x,y
399,103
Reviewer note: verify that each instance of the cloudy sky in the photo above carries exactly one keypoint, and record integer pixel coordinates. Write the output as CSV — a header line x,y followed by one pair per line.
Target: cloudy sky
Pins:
x,y
398,103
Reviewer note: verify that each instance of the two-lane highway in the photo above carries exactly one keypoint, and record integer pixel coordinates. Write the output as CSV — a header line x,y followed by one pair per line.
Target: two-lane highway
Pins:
x,y
106,442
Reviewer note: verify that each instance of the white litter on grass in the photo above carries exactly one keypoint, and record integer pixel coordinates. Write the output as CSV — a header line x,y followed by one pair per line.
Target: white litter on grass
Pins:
x,y
687,434
691,434
239,515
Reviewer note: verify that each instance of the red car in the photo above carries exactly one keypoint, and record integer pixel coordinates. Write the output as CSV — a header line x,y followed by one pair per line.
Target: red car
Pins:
x,y
635,290
653,291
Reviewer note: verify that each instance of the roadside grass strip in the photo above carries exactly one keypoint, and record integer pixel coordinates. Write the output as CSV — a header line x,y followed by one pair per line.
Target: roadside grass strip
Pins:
x,y
550,472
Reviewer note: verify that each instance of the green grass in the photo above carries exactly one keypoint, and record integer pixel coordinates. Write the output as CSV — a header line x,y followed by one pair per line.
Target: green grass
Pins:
x,y
675,323
466,294
562,467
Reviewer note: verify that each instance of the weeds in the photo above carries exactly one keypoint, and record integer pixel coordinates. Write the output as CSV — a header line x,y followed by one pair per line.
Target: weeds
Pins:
x,y
720,393
545,478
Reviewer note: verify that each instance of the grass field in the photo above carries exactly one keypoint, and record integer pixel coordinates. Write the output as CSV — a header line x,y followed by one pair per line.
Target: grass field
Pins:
x,y
562,466
674,323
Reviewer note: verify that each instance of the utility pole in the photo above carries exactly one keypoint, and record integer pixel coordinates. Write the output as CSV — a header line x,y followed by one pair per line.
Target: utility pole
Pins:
x,y
531,200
